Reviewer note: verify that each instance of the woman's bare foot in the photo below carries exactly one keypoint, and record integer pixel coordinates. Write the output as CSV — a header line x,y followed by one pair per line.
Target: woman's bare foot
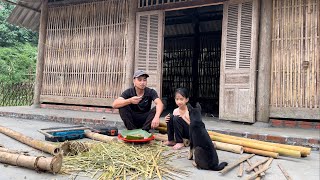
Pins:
x,y
169,143
178,146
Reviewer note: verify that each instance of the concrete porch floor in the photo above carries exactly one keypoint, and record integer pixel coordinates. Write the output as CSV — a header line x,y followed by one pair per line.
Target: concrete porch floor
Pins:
x,y
258,130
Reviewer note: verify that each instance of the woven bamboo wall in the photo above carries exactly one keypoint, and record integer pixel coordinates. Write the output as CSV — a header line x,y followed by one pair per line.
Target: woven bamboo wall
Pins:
x,y
85,50
295,78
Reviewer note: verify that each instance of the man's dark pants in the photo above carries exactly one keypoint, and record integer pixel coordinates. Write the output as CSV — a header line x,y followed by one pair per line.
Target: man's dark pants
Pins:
x,y
134,120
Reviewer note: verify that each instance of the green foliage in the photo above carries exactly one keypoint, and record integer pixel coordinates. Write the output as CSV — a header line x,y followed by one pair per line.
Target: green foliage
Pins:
x,y
17,63
18,49
11,34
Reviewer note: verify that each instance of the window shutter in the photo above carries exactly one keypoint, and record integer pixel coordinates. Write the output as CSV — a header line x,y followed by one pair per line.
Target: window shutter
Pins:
x,y
239,56
149,45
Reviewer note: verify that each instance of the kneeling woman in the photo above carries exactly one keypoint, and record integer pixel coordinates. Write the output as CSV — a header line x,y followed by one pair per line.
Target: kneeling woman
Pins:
x,y
178,123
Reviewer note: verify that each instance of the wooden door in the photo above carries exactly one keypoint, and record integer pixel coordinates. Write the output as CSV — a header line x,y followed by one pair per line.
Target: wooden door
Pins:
x,y
238,60
149,46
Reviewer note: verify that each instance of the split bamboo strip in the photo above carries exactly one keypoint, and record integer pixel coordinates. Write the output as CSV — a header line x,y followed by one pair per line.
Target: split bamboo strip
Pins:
x,y
261,152
240,171
100,137
162,124
51,164
285,173
2,149
256,165
37,144
267,164
255,170
304,151
281,151
257,173
234,164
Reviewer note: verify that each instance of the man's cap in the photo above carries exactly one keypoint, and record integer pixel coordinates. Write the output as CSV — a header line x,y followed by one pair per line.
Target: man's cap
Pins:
x,y
140,73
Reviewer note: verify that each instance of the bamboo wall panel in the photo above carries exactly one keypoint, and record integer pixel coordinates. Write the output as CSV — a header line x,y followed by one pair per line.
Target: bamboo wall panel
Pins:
x,y
85,50
295,79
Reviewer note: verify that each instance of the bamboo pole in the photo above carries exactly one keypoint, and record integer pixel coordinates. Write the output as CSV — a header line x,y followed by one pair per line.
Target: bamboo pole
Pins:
x,y
228,147
261,152
162,129
51,164
281,151
37,144
234,164
304,151
100,137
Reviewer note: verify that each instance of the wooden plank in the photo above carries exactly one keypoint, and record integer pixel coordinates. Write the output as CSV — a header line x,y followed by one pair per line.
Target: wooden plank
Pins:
x,y
77,100
295,113
180,5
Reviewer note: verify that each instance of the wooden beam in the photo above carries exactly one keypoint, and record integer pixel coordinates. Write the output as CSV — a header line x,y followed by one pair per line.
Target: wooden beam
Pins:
x,y
295,113
130,56
264,64
182,5
21,5
41,53
77,100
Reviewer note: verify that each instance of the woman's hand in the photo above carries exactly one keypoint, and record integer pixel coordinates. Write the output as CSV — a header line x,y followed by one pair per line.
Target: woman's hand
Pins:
x,y
167,118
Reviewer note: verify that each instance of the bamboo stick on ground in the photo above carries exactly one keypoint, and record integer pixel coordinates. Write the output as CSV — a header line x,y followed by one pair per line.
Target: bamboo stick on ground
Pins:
x,y
281,151
256,165
232,165
2,149
51,164
267,164
37,144
257,173
240,171
255,169
304,151
261,152
285,173
100,137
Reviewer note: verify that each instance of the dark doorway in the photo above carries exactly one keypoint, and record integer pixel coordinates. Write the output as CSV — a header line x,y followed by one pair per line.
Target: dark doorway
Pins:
x,y
192,51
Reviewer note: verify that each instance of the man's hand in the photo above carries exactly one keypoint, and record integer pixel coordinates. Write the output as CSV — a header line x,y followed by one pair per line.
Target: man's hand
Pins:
x,y
155,122
135,99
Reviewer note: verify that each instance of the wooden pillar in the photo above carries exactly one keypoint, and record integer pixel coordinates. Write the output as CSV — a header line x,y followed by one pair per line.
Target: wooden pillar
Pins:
x,y
41,53
196,54
133,6
264,63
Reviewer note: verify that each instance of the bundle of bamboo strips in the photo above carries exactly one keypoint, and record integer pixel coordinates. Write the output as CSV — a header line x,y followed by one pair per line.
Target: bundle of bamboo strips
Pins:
x,y
118,160
37,144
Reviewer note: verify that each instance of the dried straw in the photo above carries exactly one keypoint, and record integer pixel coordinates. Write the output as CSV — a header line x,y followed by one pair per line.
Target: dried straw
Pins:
x,y
117,160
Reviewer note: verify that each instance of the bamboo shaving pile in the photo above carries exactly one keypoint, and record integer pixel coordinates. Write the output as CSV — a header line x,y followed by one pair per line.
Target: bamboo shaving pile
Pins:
x,y
117,160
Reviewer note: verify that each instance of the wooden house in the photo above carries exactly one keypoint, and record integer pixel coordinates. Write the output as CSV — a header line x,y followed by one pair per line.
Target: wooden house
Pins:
x,y
246,60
